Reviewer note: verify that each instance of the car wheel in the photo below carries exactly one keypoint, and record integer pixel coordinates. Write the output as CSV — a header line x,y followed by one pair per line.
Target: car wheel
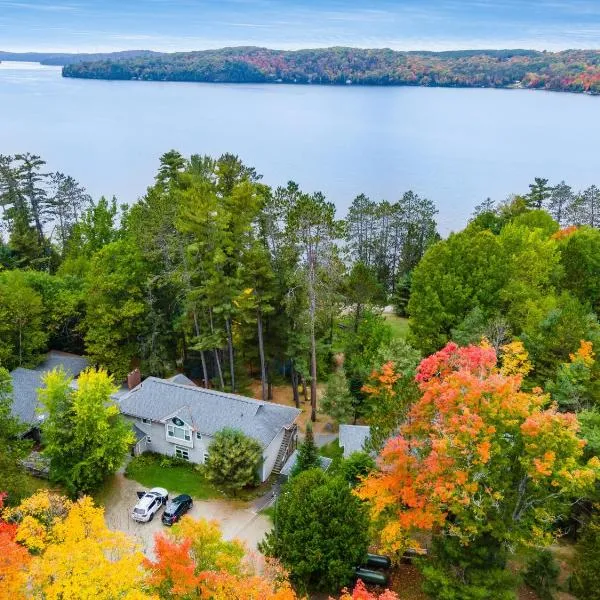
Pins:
x,y
151,517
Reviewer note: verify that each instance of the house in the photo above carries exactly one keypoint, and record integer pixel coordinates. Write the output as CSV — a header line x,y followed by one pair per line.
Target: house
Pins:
x,y
27,382
353,438
177,418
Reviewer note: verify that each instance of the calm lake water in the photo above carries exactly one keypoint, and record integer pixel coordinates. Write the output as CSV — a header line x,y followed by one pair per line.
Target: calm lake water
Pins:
x,y
455,146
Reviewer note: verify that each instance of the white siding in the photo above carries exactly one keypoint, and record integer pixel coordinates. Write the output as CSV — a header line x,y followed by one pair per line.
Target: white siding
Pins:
x,y
159,443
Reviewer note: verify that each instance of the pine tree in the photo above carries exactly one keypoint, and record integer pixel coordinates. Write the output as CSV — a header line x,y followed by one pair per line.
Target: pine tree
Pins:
x,y
308,454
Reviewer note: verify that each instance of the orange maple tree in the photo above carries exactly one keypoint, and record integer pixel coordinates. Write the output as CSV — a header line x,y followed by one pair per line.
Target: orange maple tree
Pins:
x,y
193,561
14,560
477,456
360,592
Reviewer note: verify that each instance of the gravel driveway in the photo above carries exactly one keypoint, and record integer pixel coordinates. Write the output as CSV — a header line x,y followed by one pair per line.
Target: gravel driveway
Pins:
x,y
236,520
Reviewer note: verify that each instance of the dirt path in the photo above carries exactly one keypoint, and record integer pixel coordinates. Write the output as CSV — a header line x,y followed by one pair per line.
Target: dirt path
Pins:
x,y
236,521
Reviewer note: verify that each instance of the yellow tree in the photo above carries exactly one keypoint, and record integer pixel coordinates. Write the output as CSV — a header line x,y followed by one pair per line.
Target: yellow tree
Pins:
x,y
84,560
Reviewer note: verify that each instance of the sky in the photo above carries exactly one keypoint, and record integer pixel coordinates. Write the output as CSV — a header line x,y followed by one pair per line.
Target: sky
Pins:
x,y
179,25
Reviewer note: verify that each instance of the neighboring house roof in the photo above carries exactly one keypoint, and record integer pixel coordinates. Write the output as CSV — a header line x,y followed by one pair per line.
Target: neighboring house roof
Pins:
x,y
207,411
71,363
353,438
181,379
291,463
27,382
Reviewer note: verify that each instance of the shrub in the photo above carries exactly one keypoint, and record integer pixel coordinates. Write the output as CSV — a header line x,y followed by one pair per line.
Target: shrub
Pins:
x,y
584,580
542,574
233,460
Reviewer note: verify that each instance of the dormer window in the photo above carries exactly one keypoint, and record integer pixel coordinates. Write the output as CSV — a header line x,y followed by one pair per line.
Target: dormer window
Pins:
x,y
180,433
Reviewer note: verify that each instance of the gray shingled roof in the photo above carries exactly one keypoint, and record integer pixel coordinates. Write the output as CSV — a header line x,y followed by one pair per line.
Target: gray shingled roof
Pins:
x,y
353,437
71,363
181,379
27,382
139,434
290,463
208,411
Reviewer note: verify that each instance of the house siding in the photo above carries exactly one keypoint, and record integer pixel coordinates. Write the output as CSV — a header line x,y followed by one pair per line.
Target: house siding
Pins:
x,y
159,444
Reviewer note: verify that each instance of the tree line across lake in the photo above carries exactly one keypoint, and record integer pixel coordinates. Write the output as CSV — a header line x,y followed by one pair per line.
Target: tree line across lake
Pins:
x,y
569,70
491,401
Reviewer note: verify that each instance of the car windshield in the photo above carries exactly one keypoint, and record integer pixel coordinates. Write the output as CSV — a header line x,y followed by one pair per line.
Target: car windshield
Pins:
x,y
139,511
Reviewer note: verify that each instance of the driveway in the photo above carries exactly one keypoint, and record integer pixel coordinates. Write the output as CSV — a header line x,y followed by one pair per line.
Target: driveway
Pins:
x,y
236,520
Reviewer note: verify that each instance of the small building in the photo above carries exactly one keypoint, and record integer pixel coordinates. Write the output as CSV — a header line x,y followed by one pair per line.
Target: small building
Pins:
x,y
27,382
287,469
353,438
177,418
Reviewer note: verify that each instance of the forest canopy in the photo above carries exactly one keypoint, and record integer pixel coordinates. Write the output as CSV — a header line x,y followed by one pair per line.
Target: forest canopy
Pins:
x,y
569,70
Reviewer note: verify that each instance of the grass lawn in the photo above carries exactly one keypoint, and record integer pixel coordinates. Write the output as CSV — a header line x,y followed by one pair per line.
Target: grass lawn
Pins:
x,y
398,324
154,471
332,450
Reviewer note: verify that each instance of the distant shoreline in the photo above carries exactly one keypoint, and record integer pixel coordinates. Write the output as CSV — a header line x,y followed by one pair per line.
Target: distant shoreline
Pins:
x,y
576,71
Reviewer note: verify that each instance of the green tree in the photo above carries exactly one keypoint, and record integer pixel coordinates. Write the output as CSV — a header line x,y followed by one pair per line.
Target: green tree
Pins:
x,y
465,271
233,460
12,447
338,402
312,229
580,261
361,288
356,466
22,334
115,307
561,198
308,454
539,192
321,531
584,580
85,436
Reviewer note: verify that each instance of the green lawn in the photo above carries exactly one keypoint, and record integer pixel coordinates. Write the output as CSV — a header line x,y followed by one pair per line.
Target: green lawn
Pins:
x,y
152,470
399,325
332,450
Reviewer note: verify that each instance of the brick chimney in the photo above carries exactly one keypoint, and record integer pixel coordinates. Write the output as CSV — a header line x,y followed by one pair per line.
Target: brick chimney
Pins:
x,y
134,378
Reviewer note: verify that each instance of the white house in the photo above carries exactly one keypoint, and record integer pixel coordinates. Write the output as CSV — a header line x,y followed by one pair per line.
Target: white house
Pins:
x,y
177,418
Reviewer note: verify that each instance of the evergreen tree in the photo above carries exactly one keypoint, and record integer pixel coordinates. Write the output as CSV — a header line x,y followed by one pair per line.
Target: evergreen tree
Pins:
x,y
308,454
539,192
338,402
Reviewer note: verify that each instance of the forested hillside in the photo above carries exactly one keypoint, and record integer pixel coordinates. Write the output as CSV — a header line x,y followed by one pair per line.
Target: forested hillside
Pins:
x,y
485,415
67,58
571,70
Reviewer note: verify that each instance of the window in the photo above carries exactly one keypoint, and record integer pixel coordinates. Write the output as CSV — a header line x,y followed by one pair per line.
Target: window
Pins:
x,y
148,440
205,456
182,453
146,420
181,433
198,435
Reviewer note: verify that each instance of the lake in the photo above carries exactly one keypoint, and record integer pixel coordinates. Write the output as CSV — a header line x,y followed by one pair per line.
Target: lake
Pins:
x,y
455,146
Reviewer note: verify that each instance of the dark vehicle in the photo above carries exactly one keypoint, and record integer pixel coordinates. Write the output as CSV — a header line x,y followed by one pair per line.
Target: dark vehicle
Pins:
x,y
371,577
377,561
176,509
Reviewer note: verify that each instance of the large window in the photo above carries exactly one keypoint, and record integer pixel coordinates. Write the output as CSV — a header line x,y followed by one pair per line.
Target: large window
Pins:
x,y
181,433
182,453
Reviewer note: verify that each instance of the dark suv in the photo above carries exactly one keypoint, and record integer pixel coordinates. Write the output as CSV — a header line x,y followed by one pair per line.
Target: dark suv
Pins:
x,y
176,508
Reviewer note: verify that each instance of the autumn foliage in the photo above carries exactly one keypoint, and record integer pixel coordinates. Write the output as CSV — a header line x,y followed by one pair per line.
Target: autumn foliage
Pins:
x,y
360,592
14,560
477,455
193,561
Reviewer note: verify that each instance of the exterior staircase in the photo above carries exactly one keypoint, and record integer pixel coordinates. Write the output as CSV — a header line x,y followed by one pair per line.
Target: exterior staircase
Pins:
x,y
288,445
